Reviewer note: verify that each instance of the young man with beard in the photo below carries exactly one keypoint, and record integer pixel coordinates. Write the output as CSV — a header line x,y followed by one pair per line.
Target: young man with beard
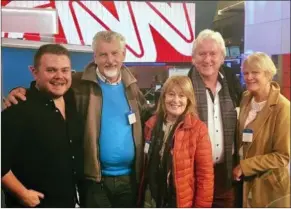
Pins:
x,y
42,155
112,106
218,93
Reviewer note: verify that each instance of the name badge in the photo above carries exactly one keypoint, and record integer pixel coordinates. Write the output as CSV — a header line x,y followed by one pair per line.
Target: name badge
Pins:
x,y
131,117
146,147
247,135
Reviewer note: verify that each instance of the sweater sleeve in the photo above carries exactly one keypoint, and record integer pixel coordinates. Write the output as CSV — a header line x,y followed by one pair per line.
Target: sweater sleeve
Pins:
x,y
204,173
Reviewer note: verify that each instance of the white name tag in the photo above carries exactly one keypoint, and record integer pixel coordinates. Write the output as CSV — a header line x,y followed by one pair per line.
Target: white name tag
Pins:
x,y
247,135
146,147
131,118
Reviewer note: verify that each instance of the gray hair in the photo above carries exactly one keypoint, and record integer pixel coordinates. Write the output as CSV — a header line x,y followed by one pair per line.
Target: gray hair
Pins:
x,y
210,34
108,36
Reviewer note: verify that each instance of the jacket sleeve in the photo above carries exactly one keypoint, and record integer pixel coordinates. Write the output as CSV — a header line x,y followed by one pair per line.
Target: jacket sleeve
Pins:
x,y
204,174
280,155
234,85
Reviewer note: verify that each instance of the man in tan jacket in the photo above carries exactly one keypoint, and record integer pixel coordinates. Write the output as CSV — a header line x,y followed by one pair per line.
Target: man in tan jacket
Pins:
x,y
111,103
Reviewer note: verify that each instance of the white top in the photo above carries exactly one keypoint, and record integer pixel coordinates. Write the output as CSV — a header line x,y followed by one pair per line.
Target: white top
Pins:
x,y
255,108
215,127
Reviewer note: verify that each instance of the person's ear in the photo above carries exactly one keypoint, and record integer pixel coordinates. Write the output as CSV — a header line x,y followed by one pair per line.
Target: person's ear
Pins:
x,y
193,60
30,68
33,71
94,58
124,53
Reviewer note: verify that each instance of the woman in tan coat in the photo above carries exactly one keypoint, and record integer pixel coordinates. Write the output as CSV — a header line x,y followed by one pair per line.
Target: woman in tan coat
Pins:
x,y
264,137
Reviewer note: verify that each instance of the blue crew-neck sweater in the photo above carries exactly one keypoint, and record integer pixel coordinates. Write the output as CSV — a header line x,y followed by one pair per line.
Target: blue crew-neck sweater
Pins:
x,y
116,138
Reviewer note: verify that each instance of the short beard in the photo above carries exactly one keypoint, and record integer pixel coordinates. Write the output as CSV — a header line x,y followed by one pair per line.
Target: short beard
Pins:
x,y
111,73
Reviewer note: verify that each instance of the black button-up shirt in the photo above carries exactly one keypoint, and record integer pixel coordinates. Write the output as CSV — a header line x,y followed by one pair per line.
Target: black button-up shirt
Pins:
x,y
42,149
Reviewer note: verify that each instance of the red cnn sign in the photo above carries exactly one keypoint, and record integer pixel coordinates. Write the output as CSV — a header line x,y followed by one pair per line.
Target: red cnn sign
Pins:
x,y
154,31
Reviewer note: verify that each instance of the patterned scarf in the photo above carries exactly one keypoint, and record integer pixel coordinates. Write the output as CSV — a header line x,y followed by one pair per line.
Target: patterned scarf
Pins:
x,y
228,114
159,167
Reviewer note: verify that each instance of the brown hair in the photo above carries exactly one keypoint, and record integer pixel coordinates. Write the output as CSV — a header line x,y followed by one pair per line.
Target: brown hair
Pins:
x,y
186,85
56,49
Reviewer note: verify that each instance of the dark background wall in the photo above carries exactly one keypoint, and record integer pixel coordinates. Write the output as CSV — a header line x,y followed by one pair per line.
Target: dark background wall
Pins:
x,y
205,13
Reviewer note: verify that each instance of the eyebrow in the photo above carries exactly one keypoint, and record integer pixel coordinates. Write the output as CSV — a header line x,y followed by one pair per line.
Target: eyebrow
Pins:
x,y
102,53
53,68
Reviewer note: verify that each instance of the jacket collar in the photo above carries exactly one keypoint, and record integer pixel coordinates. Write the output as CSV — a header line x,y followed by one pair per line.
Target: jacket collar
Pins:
x,y
44,97
187,123
273,97
90,75
220,77
272,101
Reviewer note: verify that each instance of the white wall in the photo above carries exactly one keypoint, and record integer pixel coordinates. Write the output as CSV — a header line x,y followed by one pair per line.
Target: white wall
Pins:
x,y
267,26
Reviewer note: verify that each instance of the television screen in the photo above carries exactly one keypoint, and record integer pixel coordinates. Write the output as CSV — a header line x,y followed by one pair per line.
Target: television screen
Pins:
x,y
234,51
178,71
227,51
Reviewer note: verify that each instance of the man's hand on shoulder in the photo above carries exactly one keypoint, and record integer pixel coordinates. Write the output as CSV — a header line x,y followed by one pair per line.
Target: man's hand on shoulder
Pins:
x,y
13,96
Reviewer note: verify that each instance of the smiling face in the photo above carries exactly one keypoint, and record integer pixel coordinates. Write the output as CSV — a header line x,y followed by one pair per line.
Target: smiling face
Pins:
x,y
208,57
53,75
177,98
175,102
256,80
258,71
109,57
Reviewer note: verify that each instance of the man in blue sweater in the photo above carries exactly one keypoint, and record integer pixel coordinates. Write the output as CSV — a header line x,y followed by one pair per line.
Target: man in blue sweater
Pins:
x,y
112,105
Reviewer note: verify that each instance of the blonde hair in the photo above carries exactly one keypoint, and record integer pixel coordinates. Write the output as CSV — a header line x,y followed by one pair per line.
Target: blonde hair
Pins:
x,y
260,61
186,85
108,36
209,34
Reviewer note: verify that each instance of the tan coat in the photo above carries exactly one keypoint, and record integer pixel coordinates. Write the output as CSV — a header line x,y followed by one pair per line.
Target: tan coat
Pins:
x,y
265,164
89,103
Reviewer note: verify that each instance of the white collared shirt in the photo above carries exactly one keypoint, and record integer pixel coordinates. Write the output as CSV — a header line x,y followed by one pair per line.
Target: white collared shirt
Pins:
x,y
105,80
215,127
